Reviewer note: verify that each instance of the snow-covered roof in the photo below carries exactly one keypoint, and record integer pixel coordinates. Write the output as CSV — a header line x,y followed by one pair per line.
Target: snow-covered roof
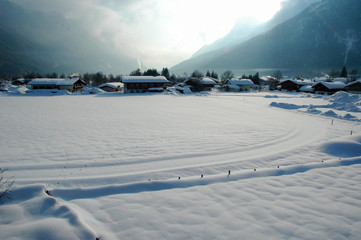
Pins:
x,y
340,79
352,83
207,81
331,85
112,85
306,88
54,81
267,78
144,79
298,82
240,82
233,86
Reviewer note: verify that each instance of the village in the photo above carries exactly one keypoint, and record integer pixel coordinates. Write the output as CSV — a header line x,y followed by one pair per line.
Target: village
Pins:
x,y
75,83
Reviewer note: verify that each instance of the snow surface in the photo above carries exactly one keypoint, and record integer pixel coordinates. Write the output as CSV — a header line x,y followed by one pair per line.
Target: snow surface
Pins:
x,y
129,166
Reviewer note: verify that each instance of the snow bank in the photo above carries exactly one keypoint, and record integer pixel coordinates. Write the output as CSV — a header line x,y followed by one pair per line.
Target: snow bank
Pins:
x,y
345,101
340,101
286,105
349,147
34,215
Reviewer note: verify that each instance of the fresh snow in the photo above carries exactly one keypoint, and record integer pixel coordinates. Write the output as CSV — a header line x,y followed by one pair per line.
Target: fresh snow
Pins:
x,y
129,166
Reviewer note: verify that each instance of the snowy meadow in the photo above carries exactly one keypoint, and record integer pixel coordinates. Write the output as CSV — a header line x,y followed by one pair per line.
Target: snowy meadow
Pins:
x,y
268,165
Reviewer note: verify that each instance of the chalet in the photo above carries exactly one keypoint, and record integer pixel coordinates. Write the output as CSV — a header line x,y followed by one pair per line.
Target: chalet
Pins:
x,y
200,84
328,87
354,87
207,83
112,87
293,85
238,85
69,84
141,84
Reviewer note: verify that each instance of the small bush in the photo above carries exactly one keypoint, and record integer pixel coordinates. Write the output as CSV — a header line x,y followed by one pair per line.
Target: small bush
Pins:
x,y
6,185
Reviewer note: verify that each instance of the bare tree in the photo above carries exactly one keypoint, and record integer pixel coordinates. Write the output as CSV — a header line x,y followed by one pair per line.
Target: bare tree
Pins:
x,y
227,75
6,185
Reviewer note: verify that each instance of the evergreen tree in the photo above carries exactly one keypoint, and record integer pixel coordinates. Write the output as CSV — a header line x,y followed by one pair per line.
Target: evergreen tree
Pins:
x,y
151,72
165,73
343,72
214,75
208,74
136,73
197,74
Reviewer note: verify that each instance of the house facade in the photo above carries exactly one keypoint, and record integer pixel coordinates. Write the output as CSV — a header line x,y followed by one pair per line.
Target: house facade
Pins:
x,y
141,84
69,84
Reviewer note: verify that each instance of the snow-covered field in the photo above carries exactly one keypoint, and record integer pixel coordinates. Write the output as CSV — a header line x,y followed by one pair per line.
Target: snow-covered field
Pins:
x,y
156,166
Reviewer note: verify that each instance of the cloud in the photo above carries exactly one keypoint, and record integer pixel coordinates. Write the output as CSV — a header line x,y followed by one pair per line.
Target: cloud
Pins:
x,y
159,32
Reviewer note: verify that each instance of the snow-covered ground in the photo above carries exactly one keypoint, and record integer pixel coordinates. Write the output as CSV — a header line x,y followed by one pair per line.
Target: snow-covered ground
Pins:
x,y
156,166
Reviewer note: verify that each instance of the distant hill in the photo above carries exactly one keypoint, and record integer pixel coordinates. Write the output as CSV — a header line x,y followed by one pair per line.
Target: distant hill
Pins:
x,y
326,35
47,42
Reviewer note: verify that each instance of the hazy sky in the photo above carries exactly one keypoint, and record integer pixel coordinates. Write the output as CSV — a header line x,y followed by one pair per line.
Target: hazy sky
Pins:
x,y
160,33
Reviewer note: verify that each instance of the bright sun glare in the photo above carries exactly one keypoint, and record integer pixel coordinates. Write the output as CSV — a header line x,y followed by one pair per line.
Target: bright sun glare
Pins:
x,y
211,20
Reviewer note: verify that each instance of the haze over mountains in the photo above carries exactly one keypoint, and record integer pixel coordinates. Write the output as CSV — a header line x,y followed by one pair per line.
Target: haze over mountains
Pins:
x,y
47,42
304,36
246,28
326,35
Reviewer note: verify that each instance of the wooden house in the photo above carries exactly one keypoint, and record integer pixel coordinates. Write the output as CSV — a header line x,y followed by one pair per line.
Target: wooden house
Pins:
x,y
69,84
141,84
293,85
354,87
328,87
238,85
200,84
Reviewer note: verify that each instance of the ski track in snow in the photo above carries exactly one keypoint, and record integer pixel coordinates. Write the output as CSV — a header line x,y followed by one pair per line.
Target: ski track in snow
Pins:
x,y
79,193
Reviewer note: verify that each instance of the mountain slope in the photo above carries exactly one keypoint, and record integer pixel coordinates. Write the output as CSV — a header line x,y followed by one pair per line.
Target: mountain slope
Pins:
x,y
324,36
246,28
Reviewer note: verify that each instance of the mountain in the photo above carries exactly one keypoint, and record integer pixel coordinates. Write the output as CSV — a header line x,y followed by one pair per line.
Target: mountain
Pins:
x,y
47,42
246,28
326,35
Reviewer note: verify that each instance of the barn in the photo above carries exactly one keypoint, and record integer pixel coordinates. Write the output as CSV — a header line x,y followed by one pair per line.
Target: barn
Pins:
x,y
141,84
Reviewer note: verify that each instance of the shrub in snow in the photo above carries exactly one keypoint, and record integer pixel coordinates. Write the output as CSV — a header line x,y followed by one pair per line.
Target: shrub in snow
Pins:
x,y
6,185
